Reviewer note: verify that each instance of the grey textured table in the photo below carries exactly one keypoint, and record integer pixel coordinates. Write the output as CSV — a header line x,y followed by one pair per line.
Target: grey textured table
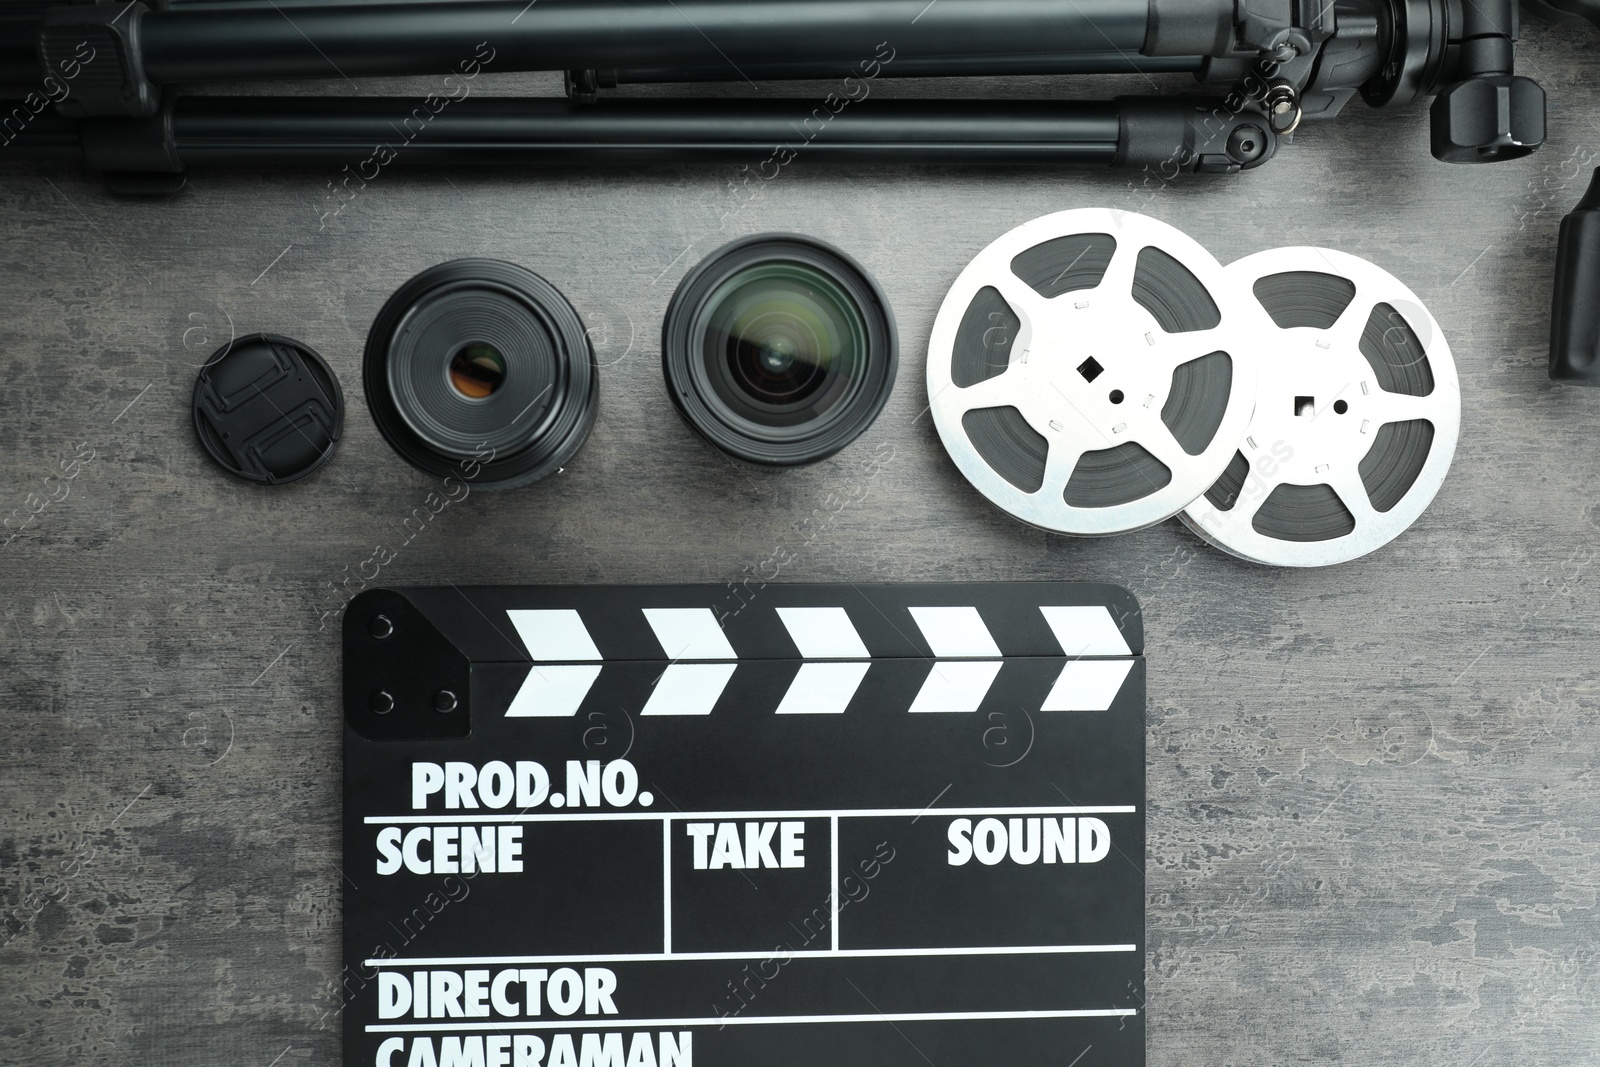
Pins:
x,y
1373,830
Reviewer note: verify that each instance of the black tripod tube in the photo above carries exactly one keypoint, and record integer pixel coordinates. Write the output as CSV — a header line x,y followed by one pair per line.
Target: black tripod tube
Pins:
x,y
935,67
360,137
507,131
189,43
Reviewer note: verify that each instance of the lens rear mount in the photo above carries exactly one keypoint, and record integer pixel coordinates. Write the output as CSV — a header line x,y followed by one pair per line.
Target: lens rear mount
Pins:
x,y
481,364
780,350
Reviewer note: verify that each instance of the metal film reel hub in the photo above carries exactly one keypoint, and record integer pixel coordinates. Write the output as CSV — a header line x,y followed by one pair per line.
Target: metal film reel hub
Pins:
x,y
1091,372
1356,422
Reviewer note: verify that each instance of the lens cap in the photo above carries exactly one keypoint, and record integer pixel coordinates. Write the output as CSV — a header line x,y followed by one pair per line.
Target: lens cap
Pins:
x,y
481,365
268,408
780,350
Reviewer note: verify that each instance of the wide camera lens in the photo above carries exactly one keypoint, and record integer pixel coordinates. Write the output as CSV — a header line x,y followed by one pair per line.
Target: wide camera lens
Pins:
x,y
780,350
481,369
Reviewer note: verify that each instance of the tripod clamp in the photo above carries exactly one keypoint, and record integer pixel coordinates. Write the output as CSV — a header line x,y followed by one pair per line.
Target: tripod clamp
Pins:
x,y
101,42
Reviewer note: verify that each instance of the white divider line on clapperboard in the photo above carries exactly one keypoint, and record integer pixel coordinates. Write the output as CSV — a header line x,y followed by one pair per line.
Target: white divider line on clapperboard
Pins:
x,y
702,662
452,818
666,886
755,1020
833,898
735,957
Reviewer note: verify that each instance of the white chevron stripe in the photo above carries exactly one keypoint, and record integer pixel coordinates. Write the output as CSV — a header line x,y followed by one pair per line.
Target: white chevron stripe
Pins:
x,y
689,688
955,633
823,633
823,688
1088,685
689,633
955,687
1086,631
553,692
555,636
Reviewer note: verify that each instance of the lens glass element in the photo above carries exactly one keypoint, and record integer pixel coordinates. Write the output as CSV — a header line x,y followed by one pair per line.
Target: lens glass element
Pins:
x,y
782,343
477,371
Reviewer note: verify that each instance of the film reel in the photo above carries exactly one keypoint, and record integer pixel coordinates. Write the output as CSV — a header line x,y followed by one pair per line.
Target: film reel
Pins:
x,y
1090,372
1356,420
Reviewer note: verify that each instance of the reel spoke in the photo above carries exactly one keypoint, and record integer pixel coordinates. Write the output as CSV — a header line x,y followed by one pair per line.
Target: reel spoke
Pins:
x,y
1034,310
1154,437
1257,490
1388,407
1062,462
1345,334
1350,489
998,392
1172,350
1118,279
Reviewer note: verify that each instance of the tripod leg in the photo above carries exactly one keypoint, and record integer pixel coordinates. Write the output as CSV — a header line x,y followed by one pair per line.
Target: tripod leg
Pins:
x,y
1168,136
242,41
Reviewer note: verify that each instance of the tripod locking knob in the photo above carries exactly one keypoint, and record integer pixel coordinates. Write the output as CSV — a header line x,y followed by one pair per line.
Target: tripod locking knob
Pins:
x,y
1488,118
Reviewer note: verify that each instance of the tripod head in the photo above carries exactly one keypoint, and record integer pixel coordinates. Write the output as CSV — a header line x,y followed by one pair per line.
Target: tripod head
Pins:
x,y
1395,53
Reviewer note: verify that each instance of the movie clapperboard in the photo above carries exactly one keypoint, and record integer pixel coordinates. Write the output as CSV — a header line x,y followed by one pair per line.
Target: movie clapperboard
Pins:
x,y
708,826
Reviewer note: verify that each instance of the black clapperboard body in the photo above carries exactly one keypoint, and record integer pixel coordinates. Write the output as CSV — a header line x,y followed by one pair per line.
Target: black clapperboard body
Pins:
x,y
805,825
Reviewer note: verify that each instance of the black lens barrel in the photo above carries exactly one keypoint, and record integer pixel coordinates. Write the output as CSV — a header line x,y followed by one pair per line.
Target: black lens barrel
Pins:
x,y
481,368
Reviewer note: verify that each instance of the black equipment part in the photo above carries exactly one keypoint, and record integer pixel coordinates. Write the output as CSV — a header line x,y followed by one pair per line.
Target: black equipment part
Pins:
x,y
1575,313
481,370
192,44
1567,10
779,349
268,409
1283,62
1489,114
186,42
367,134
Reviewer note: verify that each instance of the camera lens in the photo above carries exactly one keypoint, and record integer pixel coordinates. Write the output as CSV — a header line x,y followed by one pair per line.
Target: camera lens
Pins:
x,y
779,350
482,366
